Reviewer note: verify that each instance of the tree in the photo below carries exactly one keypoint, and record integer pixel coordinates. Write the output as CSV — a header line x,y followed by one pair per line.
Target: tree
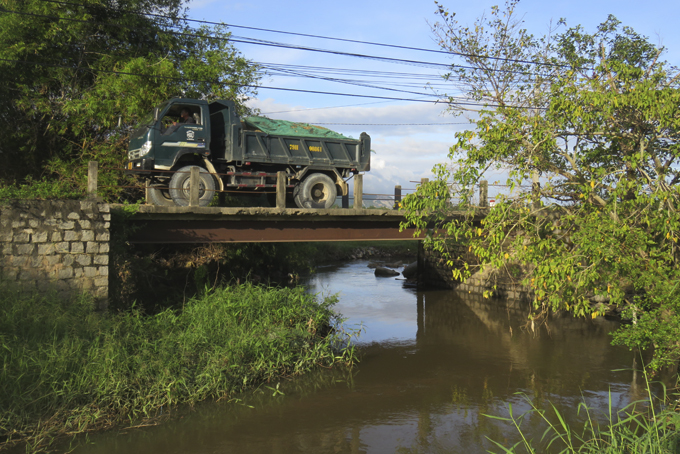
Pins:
x,y
596,117
77,77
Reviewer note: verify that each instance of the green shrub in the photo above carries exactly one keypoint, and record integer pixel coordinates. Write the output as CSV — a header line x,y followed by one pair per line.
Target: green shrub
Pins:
x,y
44,189
67,369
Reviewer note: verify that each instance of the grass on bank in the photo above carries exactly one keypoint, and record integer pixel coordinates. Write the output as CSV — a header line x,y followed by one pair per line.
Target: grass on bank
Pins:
x,y
639,428
67,369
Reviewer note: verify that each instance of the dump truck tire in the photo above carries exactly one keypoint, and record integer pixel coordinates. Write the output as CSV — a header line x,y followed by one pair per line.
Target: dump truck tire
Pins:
x,y
316,191
159,195
180,187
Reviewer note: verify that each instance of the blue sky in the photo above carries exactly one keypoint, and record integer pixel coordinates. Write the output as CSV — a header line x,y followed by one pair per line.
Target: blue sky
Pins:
x,y
402,153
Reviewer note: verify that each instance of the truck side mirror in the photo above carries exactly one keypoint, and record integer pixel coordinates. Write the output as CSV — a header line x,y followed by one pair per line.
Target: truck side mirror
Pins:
x,y
155,114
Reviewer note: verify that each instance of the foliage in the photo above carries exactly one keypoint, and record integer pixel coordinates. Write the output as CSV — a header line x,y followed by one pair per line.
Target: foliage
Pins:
x,y
155,277
640,427
590,122
67,369
42,189
73,71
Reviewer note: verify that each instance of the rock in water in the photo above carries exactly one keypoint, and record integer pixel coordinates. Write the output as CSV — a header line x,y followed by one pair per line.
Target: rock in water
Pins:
x,y
381,271
411,270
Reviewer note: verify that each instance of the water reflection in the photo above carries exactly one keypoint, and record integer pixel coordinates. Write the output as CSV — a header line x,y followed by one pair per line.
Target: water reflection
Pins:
x,y
433,364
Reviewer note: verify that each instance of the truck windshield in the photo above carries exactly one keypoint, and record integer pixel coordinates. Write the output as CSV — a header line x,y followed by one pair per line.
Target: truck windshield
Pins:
x,y
147,120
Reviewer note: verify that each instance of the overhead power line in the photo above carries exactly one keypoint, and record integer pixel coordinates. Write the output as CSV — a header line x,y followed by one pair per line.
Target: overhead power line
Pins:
x,y
394,46
324,108
401,82
399,79
254,41
358,83
290,70
297,90
348,71
184,79
419,63
258,42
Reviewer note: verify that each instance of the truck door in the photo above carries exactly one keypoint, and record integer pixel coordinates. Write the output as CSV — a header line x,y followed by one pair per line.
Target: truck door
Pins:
x,y
182,130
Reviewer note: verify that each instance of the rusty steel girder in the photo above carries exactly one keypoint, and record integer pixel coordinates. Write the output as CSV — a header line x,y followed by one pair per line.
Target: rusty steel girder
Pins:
x,y
274,230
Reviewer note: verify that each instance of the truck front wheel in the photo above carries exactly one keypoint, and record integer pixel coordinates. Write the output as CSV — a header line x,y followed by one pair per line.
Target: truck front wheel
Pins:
x,y
159,195
315,191
180,187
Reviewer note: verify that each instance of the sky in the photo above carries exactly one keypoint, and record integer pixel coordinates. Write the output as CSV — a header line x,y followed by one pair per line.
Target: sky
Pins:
x,y
408,138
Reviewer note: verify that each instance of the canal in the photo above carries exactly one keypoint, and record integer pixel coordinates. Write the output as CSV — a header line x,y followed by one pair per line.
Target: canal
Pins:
x,y
433,364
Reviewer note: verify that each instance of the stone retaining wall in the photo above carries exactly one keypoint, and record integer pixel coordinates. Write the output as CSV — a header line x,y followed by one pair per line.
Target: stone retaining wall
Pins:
x,y
58,246
434,272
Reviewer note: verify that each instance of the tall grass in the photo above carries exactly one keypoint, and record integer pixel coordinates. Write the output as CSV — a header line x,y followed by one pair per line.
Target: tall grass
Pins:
x,y
66,369
639,428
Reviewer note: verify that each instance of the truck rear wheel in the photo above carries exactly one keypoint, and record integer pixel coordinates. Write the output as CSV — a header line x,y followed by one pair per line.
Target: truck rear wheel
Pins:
x,y
180,187
316,191
159,195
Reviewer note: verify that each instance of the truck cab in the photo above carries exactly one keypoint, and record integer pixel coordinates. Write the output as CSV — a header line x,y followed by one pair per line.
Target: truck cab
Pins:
x,y
164,137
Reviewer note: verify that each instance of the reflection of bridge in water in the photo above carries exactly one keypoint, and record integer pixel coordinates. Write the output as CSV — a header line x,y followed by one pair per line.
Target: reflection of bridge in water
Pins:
x,y
153,224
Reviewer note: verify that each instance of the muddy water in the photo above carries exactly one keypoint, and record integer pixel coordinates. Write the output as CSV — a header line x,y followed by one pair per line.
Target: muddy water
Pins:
x,y
433,364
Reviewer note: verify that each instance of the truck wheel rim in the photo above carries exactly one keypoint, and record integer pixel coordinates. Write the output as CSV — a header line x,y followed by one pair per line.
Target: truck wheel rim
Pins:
x,y
319,193
186,189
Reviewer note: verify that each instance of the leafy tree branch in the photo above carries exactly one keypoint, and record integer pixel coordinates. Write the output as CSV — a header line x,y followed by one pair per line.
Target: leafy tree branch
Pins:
x,y
589,121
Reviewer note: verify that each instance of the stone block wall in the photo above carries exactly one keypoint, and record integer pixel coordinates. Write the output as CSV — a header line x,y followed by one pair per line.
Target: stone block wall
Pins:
x,y
62,246
507,284
434,272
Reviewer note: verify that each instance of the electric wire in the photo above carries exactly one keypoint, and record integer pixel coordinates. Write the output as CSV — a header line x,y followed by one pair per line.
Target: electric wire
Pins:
x,y
395,46
451,99
254,86
246,40
328,107
398,80
459,101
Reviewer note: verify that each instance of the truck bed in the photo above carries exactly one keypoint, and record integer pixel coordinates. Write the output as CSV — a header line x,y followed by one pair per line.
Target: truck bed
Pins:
x,y
262,147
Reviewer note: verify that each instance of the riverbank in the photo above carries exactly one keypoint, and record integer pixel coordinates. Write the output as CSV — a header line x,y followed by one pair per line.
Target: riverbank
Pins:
x,y
323,253
68,369
158,277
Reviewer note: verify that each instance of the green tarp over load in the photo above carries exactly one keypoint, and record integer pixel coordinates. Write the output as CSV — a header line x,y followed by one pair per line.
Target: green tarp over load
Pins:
x,y
290,128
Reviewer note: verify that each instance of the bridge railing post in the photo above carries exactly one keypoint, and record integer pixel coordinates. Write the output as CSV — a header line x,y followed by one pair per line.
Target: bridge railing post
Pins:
x,y
193,186
147,192
92,170
484,194
358,191
281,189
397,197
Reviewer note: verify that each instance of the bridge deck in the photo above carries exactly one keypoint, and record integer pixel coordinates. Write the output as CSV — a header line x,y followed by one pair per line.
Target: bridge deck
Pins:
x,y
238,225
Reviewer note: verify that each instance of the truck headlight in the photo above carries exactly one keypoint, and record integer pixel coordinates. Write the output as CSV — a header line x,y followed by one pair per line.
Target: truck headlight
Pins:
x,y
145,148
139,152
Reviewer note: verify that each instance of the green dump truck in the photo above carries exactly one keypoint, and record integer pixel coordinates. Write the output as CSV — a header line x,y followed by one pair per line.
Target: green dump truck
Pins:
x,y
240,154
